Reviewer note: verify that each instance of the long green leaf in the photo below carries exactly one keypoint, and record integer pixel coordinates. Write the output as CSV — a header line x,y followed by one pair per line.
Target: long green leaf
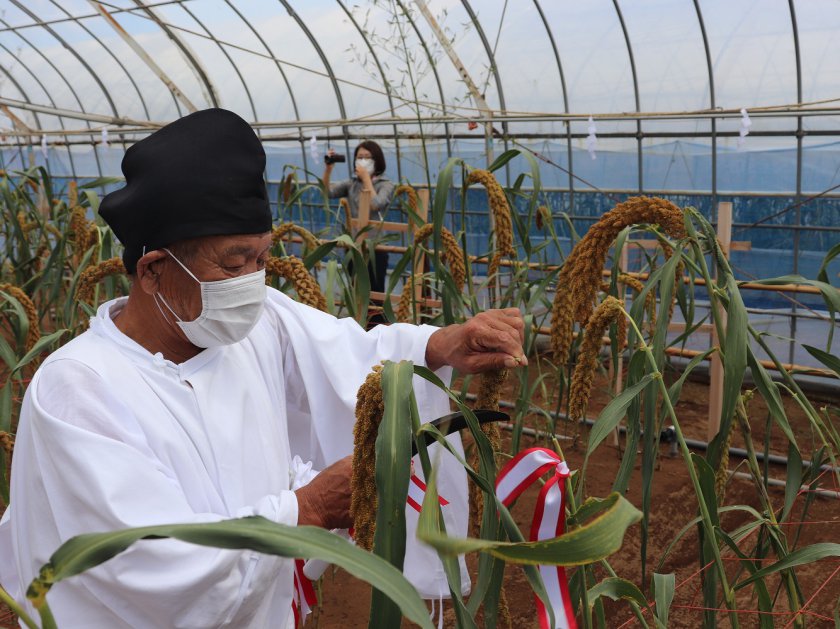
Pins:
x,y
591,542
612,414
393,468
255,533
829,360
806,555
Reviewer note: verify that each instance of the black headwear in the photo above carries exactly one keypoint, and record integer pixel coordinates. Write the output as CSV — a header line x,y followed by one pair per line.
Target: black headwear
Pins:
x,y
201,175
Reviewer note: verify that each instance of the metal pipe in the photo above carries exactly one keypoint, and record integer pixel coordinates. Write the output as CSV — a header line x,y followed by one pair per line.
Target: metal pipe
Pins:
x,y
691,443
775,482
785,111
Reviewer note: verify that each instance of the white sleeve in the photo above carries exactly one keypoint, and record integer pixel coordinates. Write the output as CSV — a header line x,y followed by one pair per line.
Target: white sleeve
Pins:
x,y
326,360
81,466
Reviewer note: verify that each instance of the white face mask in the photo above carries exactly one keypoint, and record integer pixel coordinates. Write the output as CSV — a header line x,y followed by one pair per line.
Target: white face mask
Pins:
x,y
366,163
229,308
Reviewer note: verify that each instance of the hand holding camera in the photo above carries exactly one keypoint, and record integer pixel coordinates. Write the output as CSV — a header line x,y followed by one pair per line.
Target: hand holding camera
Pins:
x,y
332,157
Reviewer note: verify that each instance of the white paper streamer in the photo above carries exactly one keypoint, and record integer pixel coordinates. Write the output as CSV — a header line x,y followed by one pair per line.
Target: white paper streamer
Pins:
x,y
746,123
104,141
313,147
44,147
591,139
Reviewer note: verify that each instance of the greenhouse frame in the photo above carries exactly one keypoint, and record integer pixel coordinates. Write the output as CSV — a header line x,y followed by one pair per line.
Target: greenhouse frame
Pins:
x,y
731,104
652,186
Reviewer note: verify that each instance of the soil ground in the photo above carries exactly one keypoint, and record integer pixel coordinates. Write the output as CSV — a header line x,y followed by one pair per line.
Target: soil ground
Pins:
x,y
345,600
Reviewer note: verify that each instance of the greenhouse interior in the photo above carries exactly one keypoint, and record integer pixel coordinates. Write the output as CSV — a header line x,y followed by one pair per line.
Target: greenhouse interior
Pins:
x,y
536,299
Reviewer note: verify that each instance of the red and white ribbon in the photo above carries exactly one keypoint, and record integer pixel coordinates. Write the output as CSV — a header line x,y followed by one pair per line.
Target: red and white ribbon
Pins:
x,y
305,573
304,595
549,521
416,492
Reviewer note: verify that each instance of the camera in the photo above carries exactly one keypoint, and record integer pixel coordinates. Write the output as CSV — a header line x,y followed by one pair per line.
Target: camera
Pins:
x,y
334,158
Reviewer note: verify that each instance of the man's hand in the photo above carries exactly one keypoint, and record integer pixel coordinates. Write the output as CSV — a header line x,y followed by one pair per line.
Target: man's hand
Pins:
x,y
490,340
325,502
364,176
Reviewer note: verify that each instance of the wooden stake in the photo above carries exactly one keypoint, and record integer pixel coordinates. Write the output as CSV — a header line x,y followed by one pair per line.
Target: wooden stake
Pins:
x,y
724,234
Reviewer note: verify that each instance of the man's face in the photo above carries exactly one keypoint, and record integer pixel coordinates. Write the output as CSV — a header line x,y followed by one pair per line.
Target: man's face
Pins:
x,y
210,259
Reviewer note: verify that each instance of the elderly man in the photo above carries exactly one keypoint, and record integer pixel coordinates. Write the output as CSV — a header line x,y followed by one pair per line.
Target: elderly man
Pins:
x,y
197,397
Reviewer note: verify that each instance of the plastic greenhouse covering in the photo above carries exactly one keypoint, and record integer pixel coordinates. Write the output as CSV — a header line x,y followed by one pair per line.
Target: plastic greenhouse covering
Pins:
x,y
699,101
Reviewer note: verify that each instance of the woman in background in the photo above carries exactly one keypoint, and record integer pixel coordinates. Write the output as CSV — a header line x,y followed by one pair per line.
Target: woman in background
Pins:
x,y
369,169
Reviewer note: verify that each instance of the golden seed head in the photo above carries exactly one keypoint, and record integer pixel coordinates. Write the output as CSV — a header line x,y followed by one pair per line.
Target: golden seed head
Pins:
x,y
370,407
580,277
294,270
405,311
34,332
499,206
7,442
543,217
287,187
73,194
453,255
94,274
310,242
607,312
410,192
348,215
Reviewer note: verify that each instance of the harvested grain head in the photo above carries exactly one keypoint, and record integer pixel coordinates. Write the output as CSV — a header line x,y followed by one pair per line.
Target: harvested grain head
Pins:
x,y
453,255
580,277
405,310
543,217
294,270
32,318
288,182
370,407
650,298
348,214
7,442
92,275
73,194
500,208
607,312
310,242
411,195
25,226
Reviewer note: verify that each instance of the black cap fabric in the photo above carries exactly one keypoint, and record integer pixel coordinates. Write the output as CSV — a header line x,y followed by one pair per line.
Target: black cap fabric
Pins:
x,y
201,175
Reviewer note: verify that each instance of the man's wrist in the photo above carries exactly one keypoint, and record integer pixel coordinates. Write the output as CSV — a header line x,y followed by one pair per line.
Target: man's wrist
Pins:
x,y
437,347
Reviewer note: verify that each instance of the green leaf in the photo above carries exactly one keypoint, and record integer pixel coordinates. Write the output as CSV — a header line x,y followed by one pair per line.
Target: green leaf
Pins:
x,y
735,359
393,468
612,414
255,533
663,588
829,360
591,542
706,476
806,555
770,393
41,345
616,589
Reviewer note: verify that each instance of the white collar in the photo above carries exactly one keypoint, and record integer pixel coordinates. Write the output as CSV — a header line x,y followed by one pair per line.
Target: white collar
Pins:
x,y
103,325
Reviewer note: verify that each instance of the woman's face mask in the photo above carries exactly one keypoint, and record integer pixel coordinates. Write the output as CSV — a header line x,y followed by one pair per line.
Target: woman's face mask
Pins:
x,y
366,163
229,308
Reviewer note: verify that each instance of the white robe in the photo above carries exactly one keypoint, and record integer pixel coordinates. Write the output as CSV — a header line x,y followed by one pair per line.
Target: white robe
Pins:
x,y
112,436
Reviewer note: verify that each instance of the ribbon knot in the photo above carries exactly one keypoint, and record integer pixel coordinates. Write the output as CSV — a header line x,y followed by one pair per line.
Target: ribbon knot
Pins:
x,y
549,521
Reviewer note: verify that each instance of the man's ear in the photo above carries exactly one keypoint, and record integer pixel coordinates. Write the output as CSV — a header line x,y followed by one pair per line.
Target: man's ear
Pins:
x,y
148,271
